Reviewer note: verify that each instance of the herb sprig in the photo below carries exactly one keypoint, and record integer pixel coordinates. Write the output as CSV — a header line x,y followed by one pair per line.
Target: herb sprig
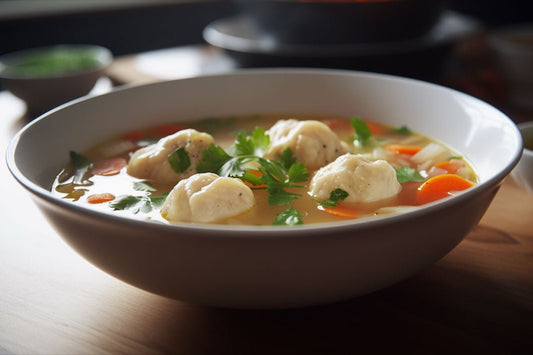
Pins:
x,y
276,176
334,197
139,203
362,131
407,174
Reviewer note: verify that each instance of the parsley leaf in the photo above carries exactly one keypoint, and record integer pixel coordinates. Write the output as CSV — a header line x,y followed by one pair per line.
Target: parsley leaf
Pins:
x,y
235,167
362,132
134,204
213,157
276,179
334,197
157,201
297,173
406,174
289,217
287,158
403,130
278,196
179,160
255,143
143,186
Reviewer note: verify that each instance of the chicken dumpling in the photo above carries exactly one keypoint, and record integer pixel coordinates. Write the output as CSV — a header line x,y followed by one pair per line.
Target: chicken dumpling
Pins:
x,y
362,179
151,162
313,143
207,198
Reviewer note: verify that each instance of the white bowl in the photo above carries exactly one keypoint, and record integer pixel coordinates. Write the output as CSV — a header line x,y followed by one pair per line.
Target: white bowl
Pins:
x,y
269,267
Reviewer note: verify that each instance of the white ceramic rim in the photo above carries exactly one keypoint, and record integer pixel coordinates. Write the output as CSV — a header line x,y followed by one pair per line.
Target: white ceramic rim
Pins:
x,y
236,231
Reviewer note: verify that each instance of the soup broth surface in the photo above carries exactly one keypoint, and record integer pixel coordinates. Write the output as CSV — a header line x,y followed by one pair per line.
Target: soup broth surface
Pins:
x,y
98,178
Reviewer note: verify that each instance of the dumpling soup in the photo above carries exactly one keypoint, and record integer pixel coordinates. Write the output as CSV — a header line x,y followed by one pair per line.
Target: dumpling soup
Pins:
x,y
264,170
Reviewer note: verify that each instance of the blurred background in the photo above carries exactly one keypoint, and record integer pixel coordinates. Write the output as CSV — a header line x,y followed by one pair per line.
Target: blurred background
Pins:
x,y
129,27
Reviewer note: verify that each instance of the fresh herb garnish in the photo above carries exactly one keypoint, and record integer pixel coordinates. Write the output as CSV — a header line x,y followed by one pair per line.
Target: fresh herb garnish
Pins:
x,y
276,176
213,157
334,197
289,217
403,130
407,174
287,158
136,204
362,132
143,186
255,143
179,160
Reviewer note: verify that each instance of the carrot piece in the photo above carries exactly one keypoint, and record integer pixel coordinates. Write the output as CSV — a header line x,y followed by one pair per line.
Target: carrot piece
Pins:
x,y
451,166
100,198
404,149
108,167
133,136
441,186
340,211
167,129
375,128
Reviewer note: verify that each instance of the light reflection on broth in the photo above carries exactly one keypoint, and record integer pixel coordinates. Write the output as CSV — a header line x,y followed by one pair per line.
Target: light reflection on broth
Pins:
x,y
224,131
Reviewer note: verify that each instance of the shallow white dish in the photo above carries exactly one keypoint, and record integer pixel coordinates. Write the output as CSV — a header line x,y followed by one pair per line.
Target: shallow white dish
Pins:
x,y
269,267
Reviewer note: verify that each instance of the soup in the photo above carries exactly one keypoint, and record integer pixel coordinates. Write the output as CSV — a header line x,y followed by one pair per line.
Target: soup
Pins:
x,y
264,170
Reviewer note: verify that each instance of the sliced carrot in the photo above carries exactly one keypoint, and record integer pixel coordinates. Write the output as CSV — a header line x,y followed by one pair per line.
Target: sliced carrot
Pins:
x,y
340,211
376,128
404,149
451,166
100,198
108,167
441,186
134,136
167,129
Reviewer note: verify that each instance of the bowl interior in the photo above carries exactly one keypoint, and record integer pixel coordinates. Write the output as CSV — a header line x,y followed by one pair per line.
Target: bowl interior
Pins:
x,y
476,130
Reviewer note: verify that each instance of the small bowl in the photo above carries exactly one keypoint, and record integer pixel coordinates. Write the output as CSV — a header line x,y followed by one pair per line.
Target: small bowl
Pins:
x,y
513,52
523,172
335,22
56,74
268,266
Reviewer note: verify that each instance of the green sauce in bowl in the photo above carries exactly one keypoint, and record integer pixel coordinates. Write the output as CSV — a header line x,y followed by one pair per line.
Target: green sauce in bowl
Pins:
x,y
53,62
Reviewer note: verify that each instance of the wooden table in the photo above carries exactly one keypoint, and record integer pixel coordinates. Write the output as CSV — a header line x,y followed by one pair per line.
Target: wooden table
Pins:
x,y
477,299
